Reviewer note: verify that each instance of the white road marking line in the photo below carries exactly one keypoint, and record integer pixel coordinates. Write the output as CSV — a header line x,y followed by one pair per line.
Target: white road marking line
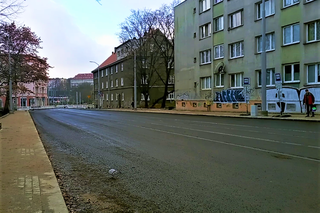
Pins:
x,y
240,125
232,135
317,147
231,144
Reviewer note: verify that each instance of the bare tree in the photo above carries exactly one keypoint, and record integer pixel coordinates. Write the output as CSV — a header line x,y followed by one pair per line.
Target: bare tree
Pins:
x,y
136,34
10,8
163,20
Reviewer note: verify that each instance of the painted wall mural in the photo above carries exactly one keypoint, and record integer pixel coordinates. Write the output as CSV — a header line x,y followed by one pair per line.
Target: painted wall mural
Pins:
x,y
229,96
292,99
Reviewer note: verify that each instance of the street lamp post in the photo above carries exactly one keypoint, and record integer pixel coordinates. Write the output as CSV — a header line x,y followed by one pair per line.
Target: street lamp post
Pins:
x,y
98,83
263,63
10,78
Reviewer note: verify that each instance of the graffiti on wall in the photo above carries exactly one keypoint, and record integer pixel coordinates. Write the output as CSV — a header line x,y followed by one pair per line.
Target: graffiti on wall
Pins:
x,y
292,98
230,96
183,96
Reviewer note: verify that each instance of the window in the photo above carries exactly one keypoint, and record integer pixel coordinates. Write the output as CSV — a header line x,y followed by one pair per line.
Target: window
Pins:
x,y
171,79
313,31
170,96
111,83
205,57
205,83
291,73
218,24
121,66
170,63
102,85
291,34
107,84
144,63
269,8
107,97
116,96
121,82
236,50
107,72
111,71
235,19
116,68
102,74
204,5
111,97
117,83
122,97
270,43
270,78
219,80
218,51
217,1
205,31
143,98
313,74
287,3
236,80
144,79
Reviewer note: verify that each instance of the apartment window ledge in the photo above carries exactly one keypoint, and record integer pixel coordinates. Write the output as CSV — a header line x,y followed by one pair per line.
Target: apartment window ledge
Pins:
x,y
218,31
267,51
285,45
291,82
232,28
218,58
311,42
236,87
260,19
307,2
204,11
308,84
236,57
214,4
269,86
204,38
206,89
219,86
295,4
205,63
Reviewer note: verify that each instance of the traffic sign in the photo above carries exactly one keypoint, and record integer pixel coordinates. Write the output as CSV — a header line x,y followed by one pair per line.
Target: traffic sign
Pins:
x,y
246,81
278,77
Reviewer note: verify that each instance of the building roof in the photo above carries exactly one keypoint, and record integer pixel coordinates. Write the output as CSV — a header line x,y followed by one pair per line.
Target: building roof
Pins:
x,y
82,76
110,60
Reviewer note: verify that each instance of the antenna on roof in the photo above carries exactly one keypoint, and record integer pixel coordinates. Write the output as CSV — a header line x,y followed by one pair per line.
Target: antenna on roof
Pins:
x,y
99,2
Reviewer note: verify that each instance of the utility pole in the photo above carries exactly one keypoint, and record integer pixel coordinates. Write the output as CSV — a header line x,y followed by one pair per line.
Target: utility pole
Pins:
x,y
263,63
98,83
135,79
77,99
10,77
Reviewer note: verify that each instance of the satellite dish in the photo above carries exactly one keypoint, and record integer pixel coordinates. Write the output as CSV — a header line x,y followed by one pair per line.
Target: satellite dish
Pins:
x,y
220,68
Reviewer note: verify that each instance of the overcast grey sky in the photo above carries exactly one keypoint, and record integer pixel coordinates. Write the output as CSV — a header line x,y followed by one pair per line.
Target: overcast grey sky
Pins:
x,y
75,32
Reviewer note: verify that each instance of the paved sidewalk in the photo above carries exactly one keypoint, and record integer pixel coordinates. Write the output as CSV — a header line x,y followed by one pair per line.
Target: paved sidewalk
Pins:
x,y
28,183
292,117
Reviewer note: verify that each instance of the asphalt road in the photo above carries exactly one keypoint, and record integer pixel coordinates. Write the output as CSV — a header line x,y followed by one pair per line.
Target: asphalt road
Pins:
x,y
183,163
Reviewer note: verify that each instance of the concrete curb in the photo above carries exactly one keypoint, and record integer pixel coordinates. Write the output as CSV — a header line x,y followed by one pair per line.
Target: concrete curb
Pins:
x,y
215,115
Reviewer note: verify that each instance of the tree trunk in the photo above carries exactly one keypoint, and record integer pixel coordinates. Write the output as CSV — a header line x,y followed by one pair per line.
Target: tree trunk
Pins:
x,y
6,105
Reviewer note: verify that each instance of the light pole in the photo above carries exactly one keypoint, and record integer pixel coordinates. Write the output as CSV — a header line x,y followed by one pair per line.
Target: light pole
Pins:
x,y
10,77
135,80
263,64
98,83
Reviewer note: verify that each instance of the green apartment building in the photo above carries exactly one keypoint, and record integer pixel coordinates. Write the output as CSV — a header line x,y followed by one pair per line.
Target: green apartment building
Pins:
x,y
218,44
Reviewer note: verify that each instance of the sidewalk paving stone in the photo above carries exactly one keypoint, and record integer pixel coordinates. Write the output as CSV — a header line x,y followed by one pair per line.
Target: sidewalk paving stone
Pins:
x,y
28,183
